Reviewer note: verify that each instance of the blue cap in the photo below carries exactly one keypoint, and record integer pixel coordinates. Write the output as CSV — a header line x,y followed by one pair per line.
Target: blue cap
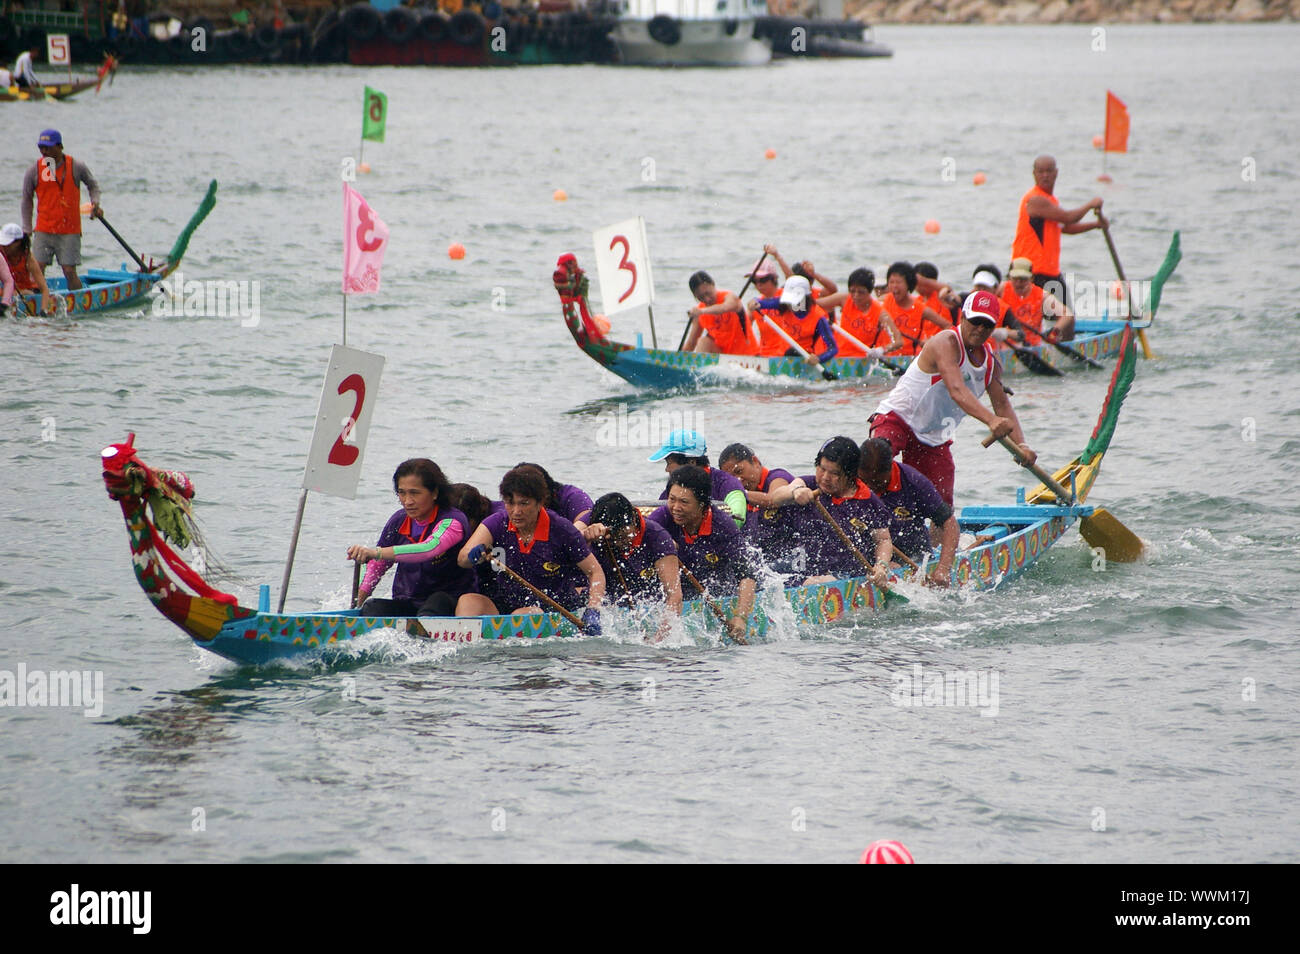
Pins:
x,y
686,443
49,137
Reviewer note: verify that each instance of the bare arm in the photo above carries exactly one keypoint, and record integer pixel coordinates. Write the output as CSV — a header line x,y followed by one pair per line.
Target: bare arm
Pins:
x,y
786,270
884,553
941,575
481,535
1040,208
669,570
934,318
595,580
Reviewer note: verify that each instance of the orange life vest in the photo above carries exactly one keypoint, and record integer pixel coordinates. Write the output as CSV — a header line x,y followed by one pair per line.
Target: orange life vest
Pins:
x,y
17,262
1028,310
730,331
1041,244
802,330
908,319
58,199
863,325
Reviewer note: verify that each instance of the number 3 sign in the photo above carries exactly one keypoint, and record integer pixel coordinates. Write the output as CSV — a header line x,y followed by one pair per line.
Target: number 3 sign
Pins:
x,y
342,421
623,266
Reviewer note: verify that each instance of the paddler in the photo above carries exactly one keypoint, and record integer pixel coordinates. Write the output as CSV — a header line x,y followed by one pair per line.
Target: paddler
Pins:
x,y
683,448
908,310
851,505
568,500
1040,224
805,269
423,538
939,296
955,368
910,498
759,482
863,317
638,556
27,274
55,180
719,323
708,544
542,547
1030,304
801,318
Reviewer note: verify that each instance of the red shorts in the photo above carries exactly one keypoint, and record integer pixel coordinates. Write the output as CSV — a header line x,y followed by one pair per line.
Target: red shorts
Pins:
x,y
935,462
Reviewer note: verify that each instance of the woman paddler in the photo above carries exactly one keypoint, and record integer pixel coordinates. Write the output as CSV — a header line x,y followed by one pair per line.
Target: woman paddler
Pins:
x,y
682,448
865,318
708,543
542,547
422,538
28,276
639,557
801,318
852,506
568,500
719,322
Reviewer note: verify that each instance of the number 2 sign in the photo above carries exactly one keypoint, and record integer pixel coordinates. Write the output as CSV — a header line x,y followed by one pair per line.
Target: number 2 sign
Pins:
x,y
623,266
342,422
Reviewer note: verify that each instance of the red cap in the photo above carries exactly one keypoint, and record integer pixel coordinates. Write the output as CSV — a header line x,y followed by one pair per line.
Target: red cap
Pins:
x,y
982,304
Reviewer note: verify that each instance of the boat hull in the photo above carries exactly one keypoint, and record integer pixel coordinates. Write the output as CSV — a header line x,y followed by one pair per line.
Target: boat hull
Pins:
x,y
702,43
102,290
10,94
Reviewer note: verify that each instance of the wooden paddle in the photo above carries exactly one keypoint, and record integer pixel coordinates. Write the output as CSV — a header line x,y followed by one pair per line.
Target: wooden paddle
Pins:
x,y
1033,362
857,343
795,345
1076,355
1119,270
613,561
500,566
121,241
1102,529
844,538
717,610
740,298
356,581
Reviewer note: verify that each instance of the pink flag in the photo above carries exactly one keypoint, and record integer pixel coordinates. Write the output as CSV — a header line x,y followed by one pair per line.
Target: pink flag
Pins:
x,y
365,237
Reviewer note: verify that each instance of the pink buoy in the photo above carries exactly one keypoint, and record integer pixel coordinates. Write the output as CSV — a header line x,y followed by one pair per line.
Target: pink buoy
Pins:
x,y
887,853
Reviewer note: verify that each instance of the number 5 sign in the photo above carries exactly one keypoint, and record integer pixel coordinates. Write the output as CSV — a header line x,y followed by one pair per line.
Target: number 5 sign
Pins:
x,y
342,421
57,50
623,266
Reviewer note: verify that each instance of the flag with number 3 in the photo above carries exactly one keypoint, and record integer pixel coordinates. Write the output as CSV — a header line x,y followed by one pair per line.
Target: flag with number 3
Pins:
x,y
365,237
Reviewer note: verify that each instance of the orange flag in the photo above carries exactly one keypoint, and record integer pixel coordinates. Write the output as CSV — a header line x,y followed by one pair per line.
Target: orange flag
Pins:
x,y
1116,124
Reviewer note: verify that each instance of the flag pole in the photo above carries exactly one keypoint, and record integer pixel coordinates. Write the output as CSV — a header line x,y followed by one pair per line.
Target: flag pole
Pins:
x,y
345,319
293,548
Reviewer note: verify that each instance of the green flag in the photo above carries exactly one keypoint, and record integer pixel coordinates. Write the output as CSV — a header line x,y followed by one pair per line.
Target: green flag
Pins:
x,y
374,115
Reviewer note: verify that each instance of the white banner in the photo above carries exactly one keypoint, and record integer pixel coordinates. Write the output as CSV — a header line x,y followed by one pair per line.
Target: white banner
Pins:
x,y
57,50
338,444
623,266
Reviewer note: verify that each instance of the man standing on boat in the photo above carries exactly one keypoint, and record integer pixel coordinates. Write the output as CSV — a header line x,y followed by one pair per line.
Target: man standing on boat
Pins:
x,y
1040,224
954,368
55,181
23,75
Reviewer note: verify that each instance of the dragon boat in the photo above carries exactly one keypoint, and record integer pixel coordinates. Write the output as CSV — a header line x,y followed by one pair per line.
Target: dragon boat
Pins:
x,y
156,507
60,91
661,369
105,289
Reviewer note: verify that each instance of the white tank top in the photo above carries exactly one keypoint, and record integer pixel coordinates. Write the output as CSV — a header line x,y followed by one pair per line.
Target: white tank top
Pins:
x,y
923,402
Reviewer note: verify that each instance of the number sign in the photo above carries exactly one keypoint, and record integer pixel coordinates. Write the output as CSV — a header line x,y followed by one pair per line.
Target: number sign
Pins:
x,y
623,266
342,421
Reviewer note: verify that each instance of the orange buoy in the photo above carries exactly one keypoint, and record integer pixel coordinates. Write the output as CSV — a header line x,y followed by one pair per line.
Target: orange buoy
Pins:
x,y
456,251
932,226
1097,142
602,323
980,178
1105,177
363,168
560,195
86,207
770,154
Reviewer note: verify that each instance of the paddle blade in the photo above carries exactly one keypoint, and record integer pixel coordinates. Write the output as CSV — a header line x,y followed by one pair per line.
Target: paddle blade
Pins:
x,y
894,598
1117,541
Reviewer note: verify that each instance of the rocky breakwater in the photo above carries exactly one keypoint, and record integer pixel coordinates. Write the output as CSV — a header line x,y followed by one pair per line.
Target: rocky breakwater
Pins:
x,y
1073,11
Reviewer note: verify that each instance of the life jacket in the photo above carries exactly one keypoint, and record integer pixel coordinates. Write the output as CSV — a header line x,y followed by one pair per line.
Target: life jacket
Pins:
x,y
1028,310
23,280
863,325
1038,240
731,331
58,199
908,319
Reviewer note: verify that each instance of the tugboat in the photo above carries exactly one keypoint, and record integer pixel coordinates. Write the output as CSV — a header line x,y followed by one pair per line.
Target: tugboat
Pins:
x,y
690,33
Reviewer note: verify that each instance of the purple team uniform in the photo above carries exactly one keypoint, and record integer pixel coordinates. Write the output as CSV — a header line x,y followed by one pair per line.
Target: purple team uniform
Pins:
x,y
550,563
716,555
910,499
636,565
569,503
804,528
721,483
415,582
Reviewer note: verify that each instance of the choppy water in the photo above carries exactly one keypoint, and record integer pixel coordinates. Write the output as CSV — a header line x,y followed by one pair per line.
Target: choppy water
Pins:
x,y
1159,699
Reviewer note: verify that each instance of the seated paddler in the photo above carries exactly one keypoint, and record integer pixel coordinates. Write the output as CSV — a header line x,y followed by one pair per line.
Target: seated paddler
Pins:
x,y
709,546
688,448
541,547
638,556
911,500
809,542
422,538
